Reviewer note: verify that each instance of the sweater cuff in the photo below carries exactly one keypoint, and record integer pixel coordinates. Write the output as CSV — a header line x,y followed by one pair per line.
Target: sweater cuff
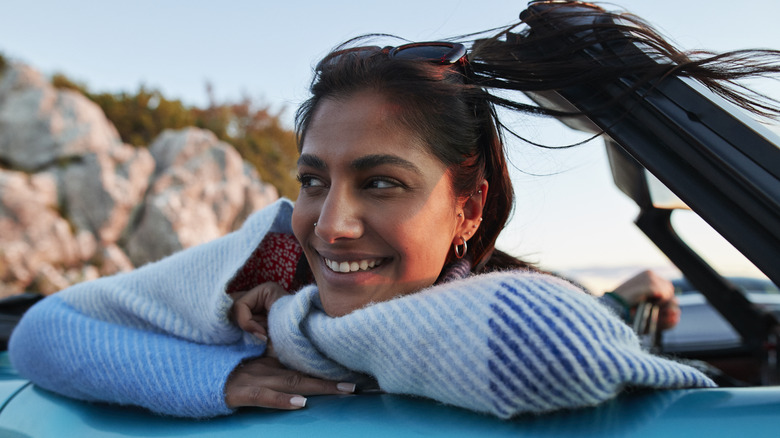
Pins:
x,y
287,326
102,361
617,304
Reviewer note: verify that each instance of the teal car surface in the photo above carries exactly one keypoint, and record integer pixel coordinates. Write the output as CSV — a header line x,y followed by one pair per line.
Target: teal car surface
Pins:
x,y
28,411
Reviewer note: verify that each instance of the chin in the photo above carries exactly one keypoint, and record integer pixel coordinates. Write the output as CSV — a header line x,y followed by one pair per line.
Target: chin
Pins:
x,y
340,310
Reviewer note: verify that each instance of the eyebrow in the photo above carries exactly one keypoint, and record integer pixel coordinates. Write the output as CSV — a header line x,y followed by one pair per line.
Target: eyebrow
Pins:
x,y
370,161
311,161
362,163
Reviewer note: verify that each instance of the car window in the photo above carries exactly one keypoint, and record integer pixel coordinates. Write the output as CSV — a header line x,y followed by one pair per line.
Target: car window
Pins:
x,y
719,254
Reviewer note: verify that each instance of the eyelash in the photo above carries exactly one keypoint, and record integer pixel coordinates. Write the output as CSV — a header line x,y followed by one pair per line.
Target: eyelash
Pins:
x,y
392,182
306,182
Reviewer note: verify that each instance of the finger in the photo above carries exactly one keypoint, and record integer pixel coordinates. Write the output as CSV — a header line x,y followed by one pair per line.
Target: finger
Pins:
x,y
246,320
235,296
269,350
302,384
265,398
261,297
261,320
668,321
663,289
269,372
670,315
272,292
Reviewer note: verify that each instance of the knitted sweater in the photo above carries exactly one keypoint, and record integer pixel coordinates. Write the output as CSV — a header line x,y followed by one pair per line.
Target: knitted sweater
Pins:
x,y
159,337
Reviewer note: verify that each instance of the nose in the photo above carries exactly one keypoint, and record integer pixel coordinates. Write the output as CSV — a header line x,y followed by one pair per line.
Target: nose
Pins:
x,y
340,217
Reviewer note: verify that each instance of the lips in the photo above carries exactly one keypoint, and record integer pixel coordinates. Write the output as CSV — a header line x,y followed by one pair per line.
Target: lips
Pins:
x,y
353,265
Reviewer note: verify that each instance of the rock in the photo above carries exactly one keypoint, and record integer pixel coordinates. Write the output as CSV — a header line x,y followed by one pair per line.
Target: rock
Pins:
x,y
113,260
20,77
202,189
32,233
42,126
86,245
76,203
257,195
50,280
100,189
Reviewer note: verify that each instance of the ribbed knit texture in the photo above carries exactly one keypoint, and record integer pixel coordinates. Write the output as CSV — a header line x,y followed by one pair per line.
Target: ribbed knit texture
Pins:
x,y
504,344
159,337
156,337
94,360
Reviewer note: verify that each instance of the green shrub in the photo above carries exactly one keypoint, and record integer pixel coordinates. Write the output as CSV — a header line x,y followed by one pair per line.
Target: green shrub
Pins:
x,y
59,80
255,132
259,137
142,116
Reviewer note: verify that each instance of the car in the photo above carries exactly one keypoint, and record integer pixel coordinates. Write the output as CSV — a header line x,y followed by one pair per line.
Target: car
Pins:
x,y
680,141
704,334
28,411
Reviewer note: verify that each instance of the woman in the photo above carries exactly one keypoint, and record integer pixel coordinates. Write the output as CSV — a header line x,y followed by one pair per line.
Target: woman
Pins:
x,y
404,190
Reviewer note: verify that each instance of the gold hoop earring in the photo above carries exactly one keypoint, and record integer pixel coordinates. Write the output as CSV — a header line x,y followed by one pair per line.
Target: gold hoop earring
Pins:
x,y
460,253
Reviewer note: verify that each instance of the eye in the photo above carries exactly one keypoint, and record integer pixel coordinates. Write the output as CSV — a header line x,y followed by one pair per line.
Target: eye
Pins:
x,y
383,183
308,181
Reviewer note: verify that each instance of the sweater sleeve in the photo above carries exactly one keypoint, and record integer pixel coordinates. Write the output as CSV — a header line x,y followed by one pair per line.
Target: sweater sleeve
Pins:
x,y
157,337
67,352
505,344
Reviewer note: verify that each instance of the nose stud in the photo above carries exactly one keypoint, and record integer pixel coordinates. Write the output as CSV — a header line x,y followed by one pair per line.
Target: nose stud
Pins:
x,y
315,225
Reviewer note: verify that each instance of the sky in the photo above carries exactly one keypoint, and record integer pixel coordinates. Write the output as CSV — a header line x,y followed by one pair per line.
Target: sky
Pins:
x,y
569,216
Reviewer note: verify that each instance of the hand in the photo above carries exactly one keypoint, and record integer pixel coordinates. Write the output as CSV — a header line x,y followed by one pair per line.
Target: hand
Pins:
x,y
264,382
669,315
250,308
649,286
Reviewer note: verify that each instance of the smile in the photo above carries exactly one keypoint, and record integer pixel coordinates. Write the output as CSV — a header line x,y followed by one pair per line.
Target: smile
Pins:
x,y
352,266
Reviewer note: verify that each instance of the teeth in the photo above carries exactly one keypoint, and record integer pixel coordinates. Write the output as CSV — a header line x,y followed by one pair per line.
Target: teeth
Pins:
x,y
354,266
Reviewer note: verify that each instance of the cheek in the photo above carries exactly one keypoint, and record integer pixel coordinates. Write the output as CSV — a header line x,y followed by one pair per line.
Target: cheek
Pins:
x,y
426,244
300,220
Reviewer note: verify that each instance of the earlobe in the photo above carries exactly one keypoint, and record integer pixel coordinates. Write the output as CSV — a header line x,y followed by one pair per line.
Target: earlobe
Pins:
x,y
472,212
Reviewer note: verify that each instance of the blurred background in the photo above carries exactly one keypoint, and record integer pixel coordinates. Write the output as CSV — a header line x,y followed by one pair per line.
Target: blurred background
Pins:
x,y
569,217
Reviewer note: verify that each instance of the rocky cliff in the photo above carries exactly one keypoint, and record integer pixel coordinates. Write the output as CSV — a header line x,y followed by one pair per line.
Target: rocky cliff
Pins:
x,y
77,203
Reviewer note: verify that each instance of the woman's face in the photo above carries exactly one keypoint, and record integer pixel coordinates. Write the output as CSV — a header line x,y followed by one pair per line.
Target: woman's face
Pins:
x,y
385,212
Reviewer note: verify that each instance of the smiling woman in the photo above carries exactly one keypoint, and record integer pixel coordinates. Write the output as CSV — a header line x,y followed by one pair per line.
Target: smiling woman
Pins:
x,y
385,269
378,198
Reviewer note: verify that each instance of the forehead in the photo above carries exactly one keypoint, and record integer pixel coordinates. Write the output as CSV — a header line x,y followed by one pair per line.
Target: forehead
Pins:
x,y
365,118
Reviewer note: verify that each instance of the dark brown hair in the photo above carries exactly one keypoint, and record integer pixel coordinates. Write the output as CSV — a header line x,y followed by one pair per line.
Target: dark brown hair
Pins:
x,y
454,109
544,51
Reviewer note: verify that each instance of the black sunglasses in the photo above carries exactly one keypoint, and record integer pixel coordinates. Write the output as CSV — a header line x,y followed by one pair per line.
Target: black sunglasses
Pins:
x,y
439,52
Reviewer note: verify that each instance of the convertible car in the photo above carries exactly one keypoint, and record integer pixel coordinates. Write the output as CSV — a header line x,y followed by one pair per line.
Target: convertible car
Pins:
x,y
672,139
704,334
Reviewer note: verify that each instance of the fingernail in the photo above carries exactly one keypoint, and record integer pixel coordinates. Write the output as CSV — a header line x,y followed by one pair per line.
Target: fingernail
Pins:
x,y
346,387
261,337
298,401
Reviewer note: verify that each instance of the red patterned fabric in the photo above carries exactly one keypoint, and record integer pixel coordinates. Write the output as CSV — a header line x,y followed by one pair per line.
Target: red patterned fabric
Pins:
x,y
275,259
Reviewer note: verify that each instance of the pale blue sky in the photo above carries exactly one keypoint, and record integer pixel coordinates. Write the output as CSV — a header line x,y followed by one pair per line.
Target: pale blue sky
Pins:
x,y
572,219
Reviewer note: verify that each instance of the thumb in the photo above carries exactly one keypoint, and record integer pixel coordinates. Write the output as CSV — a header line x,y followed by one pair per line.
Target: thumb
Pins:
x,y
252,307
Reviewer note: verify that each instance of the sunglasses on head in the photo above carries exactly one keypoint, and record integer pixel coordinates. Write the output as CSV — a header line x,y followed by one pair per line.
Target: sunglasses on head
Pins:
x,y
439,52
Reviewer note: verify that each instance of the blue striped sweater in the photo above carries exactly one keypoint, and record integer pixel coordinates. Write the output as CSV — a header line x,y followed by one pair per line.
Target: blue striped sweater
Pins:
x,y
505,344
159,337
